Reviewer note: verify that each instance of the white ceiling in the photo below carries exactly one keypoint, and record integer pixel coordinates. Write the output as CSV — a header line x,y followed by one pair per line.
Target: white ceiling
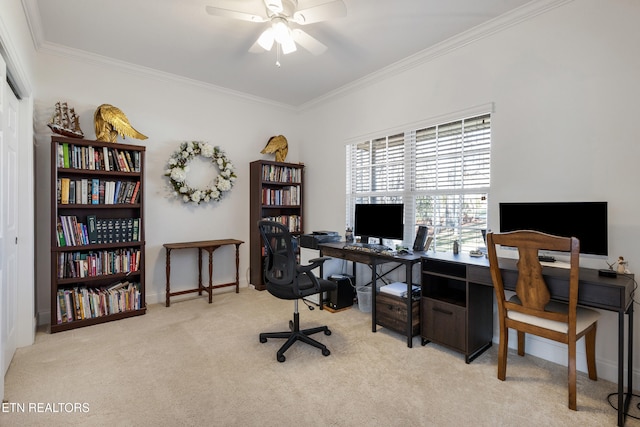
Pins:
x,y
179,37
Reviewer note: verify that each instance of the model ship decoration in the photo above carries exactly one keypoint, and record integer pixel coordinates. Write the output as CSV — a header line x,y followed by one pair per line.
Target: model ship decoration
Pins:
x,y
279,146
110,121
65,121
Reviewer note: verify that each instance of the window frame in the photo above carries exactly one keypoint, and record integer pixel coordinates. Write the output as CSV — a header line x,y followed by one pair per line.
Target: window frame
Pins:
x,y
471,193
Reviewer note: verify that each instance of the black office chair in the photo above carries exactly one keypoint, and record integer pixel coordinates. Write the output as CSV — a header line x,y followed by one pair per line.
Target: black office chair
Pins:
x,y
286,279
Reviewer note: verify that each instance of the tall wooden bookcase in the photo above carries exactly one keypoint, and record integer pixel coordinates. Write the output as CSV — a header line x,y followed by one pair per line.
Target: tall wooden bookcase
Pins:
x,y
276,192
97,232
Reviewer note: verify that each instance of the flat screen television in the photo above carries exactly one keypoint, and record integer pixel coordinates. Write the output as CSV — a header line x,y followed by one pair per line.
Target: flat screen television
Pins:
x,y
382,221
585,220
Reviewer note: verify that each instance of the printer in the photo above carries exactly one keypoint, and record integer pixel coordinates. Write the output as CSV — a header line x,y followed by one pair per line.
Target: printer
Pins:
x,y
311,241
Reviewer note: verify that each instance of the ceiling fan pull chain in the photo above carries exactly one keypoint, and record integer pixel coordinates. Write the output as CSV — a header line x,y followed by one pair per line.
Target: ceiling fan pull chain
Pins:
x,y
278,55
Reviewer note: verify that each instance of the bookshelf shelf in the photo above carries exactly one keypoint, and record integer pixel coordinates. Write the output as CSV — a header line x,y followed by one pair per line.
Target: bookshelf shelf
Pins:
x,y
97,232
276,193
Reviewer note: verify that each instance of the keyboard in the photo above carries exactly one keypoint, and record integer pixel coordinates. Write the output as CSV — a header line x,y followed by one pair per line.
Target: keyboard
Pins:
x,y
367,247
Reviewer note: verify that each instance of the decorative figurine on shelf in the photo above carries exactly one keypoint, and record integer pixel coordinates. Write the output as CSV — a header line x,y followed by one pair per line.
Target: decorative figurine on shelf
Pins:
x,y
622,265
110,122
277,144
65,121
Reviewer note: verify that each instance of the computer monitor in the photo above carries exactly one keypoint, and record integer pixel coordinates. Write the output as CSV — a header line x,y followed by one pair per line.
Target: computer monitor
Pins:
x,y
585,220
382,221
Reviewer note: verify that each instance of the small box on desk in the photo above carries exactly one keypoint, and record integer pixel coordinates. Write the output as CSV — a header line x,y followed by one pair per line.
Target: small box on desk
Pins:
x,y
391,312
311,241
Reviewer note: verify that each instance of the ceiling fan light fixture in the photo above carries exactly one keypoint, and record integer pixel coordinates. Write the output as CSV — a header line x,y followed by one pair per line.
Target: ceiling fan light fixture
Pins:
x,y
281,30
266,39
288,46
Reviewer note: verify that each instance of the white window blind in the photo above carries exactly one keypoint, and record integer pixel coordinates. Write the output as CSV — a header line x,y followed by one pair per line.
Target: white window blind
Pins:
x,y
441,173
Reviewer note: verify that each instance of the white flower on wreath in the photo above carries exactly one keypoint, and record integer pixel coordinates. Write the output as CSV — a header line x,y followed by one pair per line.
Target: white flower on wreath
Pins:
x,y
178,168
178,174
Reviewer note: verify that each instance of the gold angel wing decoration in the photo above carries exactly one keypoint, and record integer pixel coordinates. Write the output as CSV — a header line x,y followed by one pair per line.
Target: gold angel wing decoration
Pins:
x,y
277,144
110,122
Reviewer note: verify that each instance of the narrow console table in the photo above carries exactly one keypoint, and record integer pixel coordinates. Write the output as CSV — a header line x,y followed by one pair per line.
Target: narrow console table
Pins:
x,y
205,245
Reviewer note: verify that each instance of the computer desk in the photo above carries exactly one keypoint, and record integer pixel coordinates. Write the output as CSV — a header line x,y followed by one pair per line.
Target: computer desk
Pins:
x,y
373,259
605,293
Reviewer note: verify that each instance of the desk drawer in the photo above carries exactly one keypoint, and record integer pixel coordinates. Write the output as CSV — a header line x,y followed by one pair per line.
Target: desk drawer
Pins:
x,y
444,323
391,312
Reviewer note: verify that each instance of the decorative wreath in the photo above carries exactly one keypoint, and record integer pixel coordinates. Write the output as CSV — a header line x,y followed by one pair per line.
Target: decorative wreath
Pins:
x,y
179,166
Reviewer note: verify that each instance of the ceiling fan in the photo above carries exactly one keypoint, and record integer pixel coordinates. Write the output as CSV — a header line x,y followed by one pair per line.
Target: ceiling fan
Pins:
x,y
281,14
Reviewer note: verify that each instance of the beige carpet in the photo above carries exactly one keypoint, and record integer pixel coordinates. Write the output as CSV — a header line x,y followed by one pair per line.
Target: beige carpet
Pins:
x,y
195,364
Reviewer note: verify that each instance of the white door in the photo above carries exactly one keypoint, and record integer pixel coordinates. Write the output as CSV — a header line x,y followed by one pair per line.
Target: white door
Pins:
x,y
8,221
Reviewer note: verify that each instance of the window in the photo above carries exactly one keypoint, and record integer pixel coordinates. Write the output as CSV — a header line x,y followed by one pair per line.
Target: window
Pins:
x,y
441,174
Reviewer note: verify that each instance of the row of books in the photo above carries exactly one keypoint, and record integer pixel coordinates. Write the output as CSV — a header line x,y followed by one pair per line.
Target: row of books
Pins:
x,y
97,192
86,303
291,221
98,263
281,197
72,232
275,173
97,158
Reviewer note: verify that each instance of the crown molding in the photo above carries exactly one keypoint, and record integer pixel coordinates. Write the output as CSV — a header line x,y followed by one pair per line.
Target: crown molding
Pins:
x,y
482,31
496,25
103,61
41,45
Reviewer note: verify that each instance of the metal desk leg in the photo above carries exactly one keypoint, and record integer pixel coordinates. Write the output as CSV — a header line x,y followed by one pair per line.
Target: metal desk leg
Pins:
x,y
409,278
624,401
629,359
374,289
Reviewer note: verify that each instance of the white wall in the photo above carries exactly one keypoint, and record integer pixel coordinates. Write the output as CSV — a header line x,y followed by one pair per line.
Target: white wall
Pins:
x,y
565,88
169,111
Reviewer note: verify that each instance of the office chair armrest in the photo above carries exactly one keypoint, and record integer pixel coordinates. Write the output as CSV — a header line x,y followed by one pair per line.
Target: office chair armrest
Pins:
x,y
315,262
307,270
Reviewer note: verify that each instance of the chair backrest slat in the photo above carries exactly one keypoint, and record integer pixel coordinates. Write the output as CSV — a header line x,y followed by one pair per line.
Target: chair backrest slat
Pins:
x,y
531,287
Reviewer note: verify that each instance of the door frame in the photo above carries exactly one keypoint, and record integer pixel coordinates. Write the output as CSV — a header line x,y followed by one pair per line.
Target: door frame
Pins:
x,y
26,318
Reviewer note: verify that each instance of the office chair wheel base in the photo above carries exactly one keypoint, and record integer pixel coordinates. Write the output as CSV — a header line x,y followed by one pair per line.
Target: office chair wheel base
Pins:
x,y
281,358
263,340
327,332
325,352
291,325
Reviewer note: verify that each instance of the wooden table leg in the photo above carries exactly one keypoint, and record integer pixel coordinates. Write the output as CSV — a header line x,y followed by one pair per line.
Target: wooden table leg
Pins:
x,y
211,274
237,267
199,271
168,271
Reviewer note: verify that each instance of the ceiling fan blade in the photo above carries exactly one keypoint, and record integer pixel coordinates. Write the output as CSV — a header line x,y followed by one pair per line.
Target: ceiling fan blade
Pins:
x,y
308,42
321,12
234,14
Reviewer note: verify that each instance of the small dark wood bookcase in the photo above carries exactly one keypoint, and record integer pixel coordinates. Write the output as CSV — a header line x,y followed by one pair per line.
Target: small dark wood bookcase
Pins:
x,y
97,232
276,193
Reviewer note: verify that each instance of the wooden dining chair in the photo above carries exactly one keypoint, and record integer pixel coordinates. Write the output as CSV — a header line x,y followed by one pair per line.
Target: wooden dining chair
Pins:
x,y
531,311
